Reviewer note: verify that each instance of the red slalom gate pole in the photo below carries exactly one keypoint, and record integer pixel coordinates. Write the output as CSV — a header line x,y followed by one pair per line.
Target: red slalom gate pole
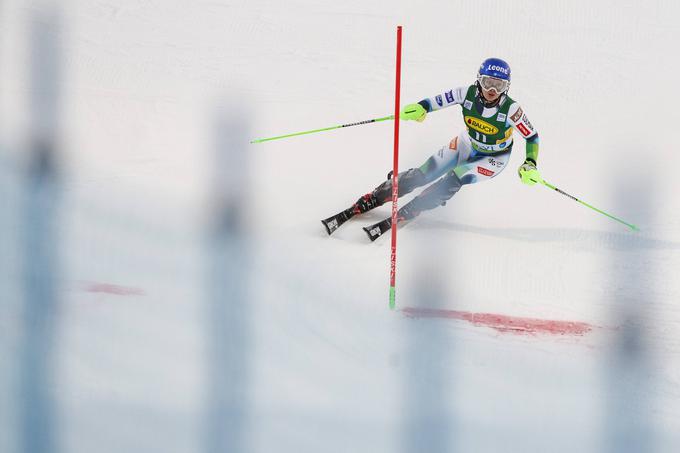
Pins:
x,y
395,174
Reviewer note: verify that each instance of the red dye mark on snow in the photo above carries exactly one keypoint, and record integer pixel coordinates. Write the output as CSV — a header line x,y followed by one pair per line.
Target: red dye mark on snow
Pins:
x,y
116,290
503,323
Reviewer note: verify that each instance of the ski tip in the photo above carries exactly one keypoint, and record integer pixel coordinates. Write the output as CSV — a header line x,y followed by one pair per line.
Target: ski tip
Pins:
x,y
372,232
325,225
331,224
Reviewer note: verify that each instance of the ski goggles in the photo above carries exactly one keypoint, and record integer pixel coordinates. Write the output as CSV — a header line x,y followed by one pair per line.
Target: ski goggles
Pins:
x,y
488,83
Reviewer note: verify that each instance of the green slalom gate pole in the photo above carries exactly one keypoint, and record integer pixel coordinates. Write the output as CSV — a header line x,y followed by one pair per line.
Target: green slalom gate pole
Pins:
x,y
629,225
295,134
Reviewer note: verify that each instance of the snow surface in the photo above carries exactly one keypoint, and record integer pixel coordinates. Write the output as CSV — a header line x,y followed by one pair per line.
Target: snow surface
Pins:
x,y
195,302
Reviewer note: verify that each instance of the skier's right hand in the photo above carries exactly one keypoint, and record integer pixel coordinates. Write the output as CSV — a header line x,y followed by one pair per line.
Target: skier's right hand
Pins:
x,y
413,112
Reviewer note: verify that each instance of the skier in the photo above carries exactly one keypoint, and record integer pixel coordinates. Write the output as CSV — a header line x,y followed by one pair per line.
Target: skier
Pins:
x,y
476,154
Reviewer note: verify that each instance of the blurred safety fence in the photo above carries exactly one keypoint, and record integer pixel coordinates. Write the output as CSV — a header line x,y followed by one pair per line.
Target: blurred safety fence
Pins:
x,y
101,298
118,308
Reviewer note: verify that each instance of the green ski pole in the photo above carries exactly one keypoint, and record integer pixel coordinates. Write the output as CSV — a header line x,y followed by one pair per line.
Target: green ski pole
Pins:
x,y
629,225
374,120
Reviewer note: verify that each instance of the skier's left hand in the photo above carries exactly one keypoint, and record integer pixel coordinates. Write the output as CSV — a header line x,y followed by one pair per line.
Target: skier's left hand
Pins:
x,y
528,173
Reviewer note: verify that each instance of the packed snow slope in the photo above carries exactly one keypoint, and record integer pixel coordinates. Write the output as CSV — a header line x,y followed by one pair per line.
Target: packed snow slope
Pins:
x,y
188,299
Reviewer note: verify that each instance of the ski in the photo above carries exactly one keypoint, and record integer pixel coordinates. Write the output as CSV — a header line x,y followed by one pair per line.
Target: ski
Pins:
x,y
376,230
334,222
